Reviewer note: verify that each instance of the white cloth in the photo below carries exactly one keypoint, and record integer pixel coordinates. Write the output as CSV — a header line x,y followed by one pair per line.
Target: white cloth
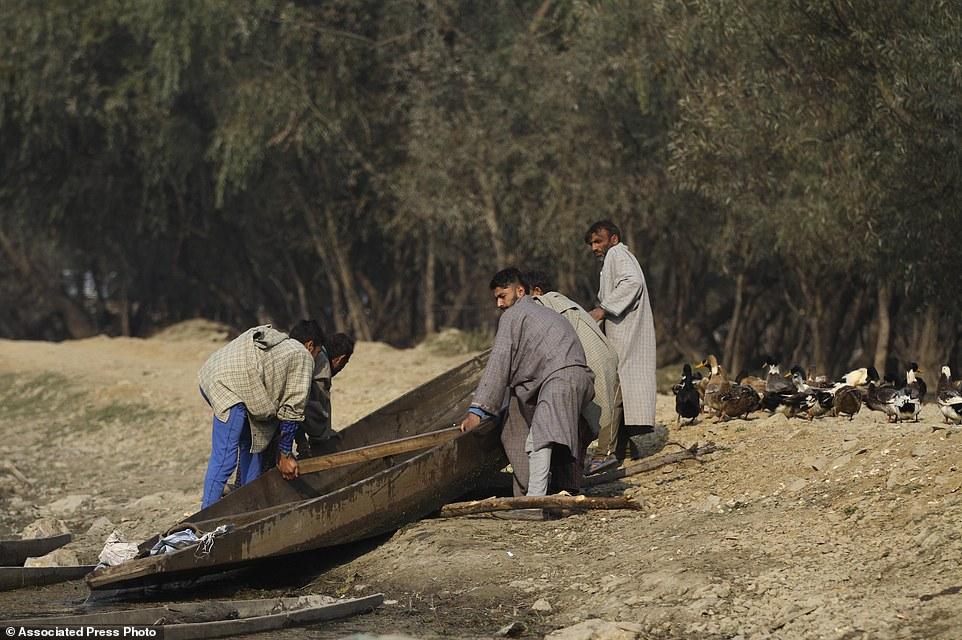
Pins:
x,y
117,550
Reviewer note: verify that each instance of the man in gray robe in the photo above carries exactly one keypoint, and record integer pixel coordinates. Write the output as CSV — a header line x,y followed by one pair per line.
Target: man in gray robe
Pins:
x,y
603,413
625,310
537,358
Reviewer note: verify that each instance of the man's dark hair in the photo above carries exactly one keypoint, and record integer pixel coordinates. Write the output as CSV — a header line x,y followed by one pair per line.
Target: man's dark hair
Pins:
x,y
308,330
539,280
606,225
507,277
340,344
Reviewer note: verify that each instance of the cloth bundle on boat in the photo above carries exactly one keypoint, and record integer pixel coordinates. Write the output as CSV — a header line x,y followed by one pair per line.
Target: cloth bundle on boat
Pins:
x,y
188,537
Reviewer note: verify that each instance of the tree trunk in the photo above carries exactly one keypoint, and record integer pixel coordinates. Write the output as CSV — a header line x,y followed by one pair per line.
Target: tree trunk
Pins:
x,y
731,357
430,292
490,216
76,320
884,337
930,353
337,308
355,308
461,296
124,313
304,307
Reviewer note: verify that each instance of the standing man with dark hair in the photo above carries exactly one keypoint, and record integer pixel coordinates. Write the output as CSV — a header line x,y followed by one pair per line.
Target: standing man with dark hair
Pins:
x,y
603,413
256,384
318,429
625,309
537,357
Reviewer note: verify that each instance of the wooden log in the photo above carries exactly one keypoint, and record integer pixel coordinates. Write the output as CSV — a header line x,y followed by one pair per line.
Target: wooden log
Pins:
x,y
537,502
376,451
650,464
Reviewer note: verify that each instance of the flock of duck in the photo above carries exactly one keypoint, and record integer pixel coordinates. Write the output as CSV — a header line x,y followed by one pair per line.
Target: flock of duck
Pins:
x,y
793,394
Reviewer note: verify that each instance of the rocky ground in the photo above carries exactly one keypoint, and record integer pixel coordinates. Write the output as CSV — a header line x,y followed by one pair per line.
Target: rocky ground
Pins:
x,y
792,529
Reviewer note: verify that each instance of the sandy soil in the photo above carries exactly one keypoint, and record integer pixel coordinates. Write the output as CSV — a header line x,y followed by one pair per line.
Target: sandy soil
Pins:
x,y
793,529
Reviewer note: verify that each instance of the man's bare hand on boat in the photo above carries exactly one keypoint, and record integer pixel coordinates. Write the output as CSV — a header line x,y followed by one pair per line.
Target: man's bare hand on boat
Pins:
x,y
471,421
287,466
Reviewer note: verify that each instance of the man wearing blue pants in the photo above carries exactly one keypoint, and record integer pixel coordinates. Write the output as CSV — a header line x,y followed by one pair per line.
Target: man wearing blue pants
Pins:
x,y
257,384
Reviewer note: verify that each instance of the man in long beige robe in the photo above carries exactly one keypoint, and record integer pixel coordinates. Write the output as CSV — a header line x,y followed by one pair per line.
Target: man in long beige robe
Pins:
x,y
538,359
603,413
625,310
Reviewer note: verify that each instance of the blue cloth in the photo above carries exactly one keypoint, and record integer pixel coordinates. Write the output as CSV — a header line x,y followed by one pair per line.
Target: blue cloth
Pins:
x,y
230,448
286,441
481,413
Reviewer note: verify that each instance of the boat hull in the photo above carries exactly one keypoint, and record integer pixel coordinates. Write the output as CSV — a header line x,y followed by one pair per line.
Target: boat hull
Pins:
x,y
13,553
378,503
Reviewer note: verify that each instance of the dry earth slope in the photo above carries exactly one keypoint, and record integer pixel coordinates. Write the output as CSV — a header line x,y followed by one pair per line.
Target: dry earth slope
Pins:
x,y
793,529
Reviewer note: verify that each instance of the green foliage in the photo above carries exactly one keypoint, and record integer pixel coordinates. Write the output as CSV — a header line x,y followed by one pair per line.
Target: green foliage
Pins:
x,y
773,164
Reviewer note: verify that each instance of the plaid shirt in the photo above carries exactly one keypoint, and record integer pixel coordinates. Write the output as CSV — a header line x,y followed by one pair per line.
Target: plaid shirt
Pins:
x,y
267,372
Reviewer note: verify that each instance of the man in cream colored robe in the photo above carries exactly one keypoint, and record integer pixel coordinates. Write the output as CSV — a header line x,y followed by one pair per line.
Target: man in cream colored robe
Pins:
x,y
603,413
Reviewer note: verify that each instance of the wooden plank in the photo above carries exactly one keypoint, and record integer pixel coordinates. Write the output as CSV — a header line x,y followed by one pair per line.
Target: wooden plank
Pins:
x,y
259,624
376,451
537,502
18,577
650,464
13,553
255,616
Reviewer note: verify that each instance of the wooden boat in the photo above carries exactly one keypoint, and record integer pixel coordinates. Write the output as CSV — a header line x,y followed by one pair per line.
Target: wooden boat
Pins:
x,y
13,553
273,517
17,577
190,621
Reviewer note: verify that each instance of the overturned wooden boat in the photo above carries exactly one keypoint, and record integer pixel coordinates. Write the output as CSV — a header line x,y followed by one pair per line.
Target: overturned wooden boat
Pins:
x,y
13,553
273,517
217,619
19,577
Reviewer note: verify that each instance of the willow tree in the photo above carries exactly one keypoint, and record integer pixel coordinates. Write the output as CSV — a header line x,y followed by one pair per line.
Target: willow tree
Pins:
x,y
803,114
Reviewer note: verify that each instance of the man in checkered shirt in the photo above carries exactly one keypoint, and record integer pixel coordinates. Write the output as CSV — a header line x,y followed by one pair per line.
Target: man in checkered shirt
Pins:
x,y
256,384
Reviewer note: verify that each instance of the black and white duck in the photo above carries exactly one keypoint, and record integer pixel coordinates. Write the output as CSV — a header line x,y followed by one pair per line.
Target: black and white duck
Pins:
x,y
949,398
915,389
885,399
777,387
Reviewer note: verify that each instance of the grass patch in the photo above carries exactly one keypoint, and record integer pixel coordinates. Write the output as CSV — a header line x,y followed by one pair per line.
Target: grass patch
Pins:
x,y
53,401
127,413
27,397
453,342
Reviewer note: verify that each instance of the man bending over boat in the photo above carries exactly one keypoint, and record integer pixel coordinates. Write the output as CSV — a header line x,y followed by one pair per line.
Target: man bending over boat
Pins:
x,y
537,357
256,384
